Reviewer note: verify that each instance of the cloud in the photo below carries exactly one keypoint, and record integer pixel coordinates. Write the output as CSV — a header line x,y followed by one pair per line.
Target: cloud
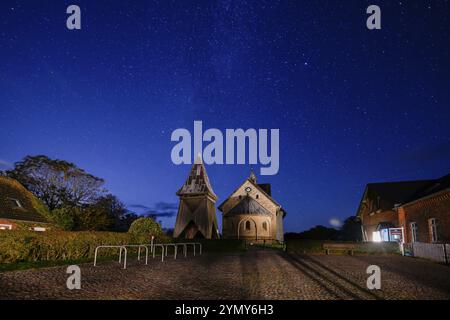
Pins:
x,y
5,164
159,210
138,206
334,222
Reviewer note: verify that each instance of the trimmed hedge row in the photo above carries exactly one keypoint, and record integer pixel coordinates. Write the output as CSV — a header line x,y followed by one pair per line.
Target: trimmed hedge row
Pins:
x,y
316,246
18,246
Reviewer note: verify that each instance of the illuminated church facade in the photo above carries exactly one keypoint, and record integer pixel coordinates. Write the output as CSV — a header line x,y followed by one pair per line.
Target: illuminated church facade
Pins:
x,y
249,213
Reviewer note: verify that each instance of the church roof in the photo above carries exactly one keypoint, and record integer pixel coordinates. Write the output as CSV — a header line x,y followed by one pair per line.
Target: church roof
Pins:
x,y
17,203
248,205
197,182
263,188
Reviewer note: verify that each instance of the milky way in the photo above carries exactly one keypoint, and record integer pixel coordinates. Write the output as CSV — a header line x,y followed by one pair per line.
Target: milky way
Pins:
x,y
353,106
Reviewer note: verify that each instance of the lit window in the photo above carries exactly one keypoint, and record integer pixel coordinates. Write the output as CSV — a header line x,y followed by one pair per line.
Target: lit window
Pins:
x,y
376,236
432,224
414,230
5,227
39,229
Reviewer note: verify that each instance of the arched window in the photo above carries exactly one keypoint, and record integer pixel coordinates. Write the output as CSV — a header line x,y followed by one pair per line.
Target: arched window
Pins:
x,y
257,196
247,225
264,225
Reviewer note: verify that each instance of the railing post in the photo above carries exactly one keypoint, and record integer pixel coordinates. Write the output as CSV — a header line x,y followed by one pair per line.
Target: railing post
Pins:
x,y
95,256
125,258
146,254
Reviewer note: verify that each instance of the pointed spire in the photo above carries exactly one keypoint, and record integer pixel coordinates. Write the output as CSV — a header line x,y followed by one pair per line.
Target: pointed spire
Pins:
x,y
252,177
197,181
198,160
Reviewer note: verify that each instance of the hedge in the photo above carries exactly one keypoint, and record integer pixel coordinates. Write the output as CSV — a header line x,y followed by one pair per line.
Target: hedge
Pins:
x,y
316,247
19,246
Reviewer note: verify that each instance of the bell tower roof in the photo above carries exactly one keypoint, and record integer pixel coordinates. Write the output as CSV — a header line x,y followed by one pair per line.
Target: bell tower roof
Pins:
x,y
197,182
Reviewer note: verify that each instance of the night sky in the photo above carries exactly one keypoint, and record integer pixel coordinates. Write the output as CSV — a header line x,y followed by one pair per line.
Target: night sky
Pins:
x,y
353,106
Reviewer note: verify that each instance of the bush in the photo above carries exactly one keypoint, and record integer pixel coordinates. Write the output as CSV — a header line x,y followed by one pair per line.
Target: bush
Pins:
x,y
142,230
63,218
18,246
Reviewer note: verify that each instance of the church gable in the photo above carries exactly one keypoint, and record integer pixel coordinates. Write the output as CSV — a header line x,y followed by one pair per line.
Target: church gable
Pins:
x,y
249,188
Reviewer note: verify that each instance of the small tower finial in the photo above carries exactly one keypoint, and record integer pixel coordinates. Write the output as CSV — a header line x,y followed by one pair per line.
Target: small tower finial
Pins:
x,y
198,160
252,177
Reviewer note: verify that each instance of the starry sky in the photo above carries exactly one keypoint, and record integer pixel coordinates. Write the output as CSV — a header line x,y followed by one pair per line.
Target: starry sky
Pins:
x,y
353,106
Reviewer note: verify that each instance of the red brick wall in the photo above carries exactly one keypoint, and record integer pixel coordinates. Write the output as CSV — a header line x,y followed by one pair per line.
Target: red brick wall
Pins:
x,y
9,222
436,206
370,222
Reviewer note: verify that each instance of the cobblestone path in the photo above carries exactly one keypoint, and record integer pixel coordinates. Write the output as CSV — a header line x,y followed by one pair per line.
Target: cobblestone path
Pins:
x,y
256,274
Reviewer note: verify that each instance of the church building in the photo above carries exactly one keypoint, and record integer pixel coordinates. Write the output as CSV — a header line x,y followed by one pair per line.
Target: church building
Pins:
x,y
251,213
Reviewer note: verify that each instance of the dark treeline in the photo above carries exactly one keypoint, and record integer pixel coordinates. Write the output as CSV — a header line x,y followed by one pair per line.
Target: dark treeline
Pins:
x,y
350,231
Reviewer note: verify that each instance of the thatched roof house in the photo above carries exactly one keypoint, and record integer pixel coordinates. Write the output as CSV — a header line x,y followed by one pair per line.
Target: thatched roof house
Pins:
x,y
19,208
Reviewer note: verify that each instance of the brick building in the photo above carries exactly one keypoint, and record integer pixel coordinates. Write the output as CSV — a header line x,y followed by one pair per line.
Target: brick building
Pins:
x,y
421,208
426,218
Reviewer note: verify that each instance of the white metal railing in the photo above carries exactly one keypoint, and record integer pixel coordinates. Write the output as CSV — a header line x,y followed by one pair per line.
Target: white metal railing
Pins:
x,y
154,246
175,249
164,250
194,244
139,246
115,247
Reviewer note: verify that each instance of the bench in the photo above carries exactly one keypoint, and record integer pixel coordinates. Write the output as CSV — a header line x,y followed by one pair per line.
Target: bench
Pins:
x,y
348,247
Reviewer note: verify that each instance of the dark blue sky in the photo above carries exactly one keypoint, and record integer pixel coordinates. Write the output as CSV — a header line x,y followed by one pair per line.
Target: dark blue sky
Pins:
x,y
353,106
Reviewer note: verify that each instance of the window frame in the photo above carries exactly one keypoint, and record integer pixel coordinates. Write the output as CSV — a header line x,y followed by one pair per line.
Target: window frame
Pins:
x,y
433,229
414,231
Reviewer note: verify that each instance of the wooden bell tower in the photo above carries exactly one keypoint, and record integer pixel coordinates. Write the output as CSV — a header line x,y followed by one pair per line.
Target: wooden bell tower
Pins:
x,y
197,212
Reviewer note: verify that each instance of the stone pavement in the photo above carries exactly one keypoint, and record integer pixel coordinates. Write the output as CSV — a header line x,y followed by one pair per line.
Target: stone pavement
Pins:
x,y
256,274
